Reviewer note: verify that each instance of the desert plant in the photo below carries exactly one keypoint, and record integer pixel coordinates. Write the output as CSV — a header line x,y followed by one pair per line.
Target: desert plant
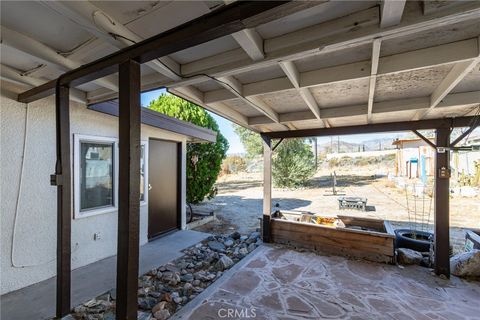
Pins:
x,y
233,164
203,159
293,164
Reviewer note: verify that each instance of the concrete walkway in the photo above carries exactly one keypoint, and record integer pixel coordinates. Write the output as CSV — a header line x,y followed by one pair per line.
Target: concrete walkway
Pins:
x,y
279,283
38,301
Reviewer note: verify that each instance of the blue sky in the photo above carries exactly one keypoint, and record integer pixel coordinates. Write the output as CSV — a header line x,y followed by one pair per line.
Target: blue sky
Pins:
x,y
236,146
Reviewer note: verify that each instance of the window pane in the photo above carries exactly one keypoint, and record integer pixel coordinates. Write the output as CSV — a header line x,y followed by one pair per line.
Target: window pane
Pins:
x,y
142,173
96,175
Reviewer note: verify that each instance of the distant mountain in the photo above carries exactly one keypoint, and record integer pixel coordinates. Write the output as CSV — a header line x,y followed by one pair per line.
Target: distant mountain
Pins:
x,y
338,146
379,144
342,146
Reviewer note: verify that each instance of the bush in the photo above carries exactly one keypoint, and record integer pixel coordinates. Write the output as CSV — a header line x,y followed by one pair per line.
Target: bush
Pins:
x,y
293,164
233,164
203,159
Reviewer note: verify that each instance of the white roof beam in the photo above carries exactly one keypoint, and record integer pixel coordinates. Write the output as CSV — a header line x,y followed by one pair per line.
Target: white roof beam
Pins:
x,y
353,30
293,75
373,76
23,43
100,24
218,108
12,75
456,74
391,106
235,87
251,42
392,11
465,50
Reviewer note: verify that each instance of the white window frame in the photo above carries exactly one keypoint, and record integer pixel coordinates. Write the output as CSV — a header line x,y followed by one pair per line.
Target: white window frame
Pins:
x,y
78,139
144,143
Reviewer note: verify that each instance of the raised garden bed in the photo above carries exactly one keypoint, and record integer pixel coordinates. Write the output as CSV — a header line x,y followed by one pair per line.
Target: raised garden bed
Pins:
x,y
370,239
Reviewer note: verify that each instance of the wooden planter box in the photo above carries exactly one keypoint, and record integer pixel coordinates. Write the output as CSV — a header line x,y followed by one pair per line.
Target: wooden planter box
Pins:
x,y
375,242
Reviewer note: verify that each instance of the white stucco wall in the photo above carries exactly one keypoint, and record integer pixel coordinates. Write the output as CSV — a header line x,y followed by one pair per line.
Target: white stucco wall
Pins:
x,y
34,241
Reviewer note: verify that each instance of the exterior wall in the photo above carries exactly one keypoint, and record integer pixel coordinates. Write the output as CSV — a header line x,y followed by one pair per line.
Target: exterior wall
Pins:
x,y
28,209
404,155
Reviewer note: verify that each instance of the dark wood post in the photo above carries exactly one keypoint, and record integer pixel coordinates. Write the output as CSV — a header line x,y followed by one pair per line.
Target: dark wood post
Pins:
x,y
128,190
63,180
267,186
442,203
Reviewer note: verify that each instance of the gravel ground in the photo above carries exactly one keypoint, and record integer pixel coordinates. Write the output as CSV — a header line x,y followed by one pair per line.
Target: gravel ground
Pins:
x,y
239,202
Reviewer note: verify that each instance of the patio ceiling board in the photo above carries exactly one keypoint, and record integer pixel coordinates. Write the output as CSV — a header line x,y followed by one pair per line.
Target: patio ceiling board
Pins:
x,y
327,42
464,101
416,83
227,20
330,36
470,82
403,62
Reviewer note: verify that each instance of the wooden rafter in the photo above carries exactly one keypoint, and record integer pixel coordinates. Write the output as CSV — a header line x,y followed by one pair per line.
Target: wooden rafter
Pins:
x,y
464,50
224,21
373,76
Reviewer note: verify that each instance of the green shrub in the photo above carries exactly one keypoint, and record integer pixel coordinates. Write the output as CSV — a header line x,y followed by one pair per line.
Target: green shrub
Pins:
x,y
293,163
203,159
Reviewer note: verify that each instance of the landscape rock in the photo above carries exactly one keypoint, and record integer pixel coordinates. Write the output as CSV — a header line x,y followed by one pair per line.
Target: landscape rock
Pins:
x,y
408,256
466,264
159,306
217,246
164,290
162,314
243,252
141,315
235,235
147,303
224,263
187,277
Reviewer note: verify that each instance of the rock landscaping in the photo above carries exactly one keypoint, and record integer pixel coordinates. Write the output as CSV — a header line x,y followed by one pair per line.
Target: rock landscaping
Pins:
x,y
166,289
466,265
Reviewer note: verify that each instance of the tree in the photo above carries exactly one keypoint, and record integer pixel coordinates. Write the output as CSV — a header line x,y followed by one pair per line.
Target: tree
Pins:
x,y
293,160
204,160
252,142
293,163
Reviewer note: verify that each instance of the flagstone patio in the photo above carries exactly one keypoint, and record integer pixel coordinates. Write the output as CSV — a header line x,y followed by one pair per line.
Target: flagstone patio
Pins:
x,y
279,283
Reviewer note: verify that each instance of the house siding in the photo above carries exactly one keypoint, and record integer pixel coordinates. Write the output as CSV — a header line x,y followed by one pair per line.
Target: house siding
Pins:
x,y
34,241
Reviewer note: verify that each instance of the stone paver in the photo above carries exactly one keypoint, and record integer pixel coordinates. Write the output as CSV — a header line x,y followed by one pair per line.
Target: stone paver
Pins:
x,y
278,283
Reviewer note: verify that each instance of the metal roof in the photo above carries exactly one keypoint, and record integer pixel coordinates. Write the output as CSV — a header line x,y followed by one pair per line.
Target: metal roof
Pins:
x,y
158,120
321,64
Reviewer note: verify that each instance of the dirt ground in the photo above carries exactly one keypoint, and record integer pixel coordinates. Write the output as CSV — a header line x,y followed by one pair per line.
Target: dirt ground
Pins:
x,y
239,202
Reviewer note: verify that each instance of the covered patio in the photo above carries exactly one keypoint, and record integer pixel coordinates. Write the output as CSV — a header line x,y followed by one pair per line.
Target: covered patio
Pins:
x,y
279,283
284,70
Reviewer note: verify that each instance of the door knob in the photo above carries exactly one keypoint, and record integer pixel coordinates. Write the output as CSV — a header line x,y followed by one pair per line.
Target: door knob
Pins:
x,y
149,187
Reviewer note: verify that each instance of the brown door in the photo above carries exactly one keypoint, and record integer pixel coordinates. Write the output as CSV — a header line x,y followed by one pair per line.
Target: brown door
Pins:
x,y
163,195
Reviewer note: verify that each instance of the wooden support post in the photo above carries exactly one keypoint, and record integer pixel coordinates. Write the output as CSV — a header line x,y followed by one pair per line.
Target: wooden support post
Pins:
x,y
128,190
267,186
63,180
442,203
